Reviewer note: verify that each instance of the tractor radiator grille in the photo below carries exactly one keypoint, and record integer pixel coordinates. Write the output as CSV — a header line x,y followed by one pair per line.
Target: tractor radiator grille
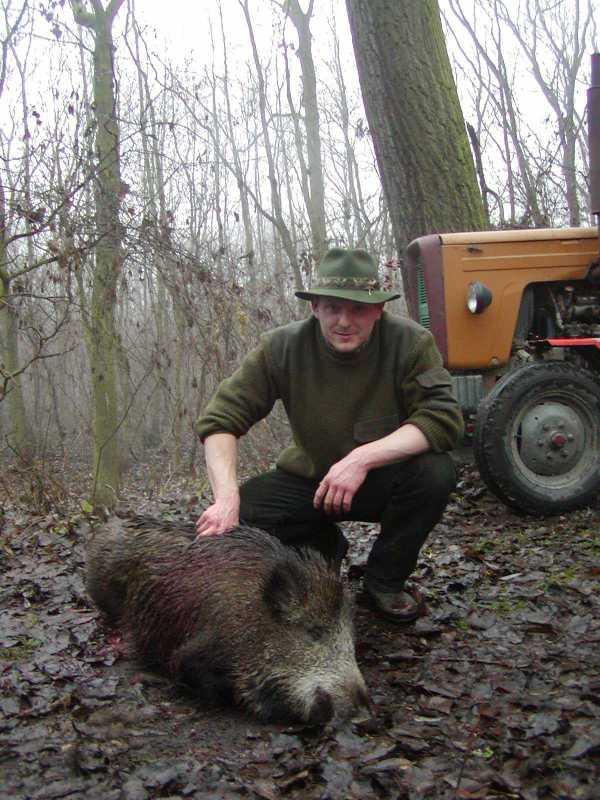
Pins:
x,y
422,298
468,390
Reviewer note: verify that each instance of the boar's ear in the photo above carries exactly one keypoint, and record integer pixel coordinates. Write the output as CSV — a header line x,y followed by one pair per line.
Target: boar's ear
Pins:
x,y
285,587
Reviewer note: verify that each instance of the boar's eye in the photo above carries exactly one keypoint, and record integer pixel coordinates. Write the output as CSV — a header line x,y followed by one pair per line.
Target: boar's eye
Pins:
x,y
316,632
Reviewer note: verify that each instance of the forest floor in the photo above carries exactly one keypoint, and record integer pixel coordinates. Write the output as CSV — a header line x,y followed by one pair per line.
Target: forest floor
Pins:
x,y
493,693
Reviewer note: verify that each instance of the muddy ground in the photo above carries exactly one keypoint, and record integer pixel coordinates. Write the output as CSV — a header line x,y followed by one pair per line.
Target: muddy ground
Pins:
x,y
494,693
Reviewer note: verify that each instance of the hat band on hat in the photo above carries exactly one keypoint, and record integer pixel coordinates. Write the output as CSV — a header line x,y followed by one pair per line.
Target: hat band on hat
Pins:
x,y
365,284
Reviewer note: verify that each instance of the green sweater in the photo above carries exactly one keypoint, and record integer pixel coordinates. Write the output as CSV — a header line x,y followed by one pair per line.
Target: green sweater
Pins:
x,y
334,401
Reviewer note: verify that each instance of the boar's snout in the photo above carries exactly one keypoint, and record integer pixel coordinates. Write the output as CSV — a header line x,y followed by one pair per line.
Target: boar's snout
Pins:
x,y
338,704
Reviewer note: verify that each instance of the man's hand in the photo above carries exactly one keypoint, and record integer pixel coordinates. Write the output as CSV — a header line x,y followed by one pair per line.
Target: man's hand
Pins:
x,y
222,516
338,487
346,476
220,450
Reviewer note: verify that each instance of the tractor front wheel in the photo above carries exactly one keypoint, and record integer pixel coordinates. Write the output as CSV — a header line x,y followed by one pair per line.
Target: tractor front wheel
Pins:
x,y
537,438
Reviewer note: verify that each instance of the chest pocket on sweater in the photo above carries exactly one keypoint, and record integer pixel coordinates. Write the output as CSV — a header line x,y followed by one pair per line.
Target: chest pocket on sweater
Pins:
x,y
369,430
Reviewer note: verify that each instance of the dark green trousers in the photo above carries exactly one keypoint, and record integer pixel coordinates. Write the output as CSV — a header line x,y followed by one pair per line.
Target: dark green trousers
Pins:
x,y
407,499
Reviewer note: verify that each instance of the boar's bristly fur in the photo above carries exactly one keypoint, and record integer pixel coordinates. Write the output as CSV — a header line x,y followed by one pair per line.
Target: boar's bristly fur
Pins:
x,y
237,616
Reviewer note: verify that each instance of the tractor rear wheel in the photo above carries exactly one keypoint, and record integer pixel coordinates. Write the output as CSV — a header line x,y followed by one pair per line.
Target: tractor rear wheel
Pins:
x,y
537,438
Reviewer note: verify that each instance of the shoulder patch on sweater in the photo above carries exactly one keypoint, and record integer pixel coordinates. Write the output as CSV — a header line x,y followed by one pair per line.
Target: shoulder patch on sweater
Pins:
x,y
436,376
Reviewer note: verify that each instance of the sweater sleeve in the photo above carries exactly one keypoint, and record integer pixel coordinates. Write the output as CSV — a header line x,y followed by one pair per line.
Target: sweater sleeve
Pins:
x,y
429,397
240,400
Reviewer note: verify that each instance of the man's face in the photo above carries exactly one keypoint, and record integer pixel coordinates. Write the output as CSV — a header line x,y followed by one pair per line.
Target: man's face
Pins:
x,y
345,324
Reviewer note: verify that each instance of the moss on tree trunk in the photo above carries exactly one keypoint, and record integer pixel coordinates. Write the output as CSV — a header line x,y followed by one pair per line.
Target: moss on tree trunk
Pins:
x,y
10,381
101,333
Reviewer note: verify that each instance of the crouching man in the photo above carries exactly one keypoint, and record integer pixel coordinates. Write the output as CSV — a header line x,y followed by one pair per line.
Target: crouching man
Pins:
x,y
372,415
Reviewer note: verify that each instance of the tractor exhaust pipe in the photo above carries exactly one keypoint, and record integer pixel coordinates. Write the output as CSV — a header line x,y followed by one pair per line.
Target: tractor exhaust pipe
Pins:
x,y
593,110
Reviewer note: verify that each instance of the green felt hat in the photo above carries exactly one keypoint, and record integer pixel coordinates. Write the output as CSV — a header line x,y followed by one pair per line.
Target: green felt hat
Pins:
x,y
349,275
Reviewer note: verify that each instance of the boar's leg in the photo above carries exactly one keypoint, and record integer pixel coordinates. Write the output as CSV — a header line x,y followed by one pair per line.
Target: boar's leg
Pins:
x,y
197,665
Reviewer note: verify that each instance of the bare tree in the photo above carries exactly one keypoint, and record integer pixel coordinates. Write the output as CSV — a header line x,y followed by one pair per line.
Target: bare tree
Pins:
x,y
240,169
348,141
101,332
312,168
512,51
561,30
30,315
276,214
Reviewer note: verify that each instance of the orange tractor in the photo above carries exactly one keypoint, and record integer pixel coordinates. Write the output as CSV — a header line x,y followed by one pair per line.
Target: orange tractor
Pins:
x,y
516,316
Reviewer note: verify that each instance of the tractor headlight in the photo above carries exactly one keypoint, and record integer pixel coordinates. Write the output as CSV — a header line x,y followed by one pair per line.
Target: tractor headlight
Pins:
x,y
478,297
